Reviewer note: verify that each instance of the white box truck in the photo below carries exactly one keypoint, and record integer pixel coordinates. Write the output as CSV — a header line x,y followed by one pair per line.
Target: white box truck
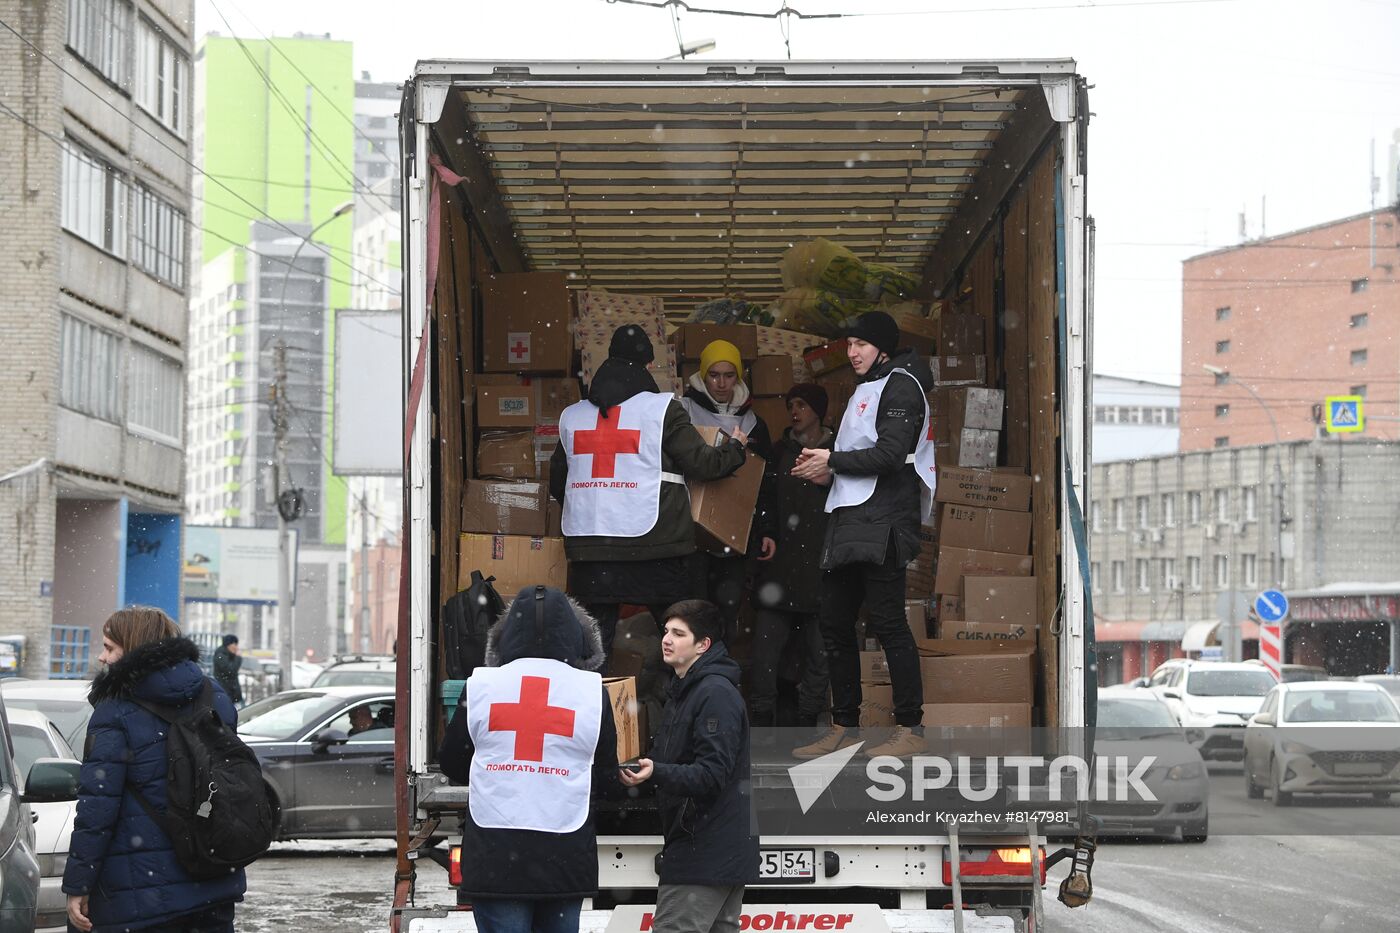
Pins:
x,y
689,180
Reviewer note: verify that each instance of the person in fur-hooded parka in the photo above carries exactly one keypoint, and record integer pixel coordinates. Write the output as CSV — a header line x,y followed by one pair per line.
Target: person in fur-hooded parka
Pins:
x,y
519,864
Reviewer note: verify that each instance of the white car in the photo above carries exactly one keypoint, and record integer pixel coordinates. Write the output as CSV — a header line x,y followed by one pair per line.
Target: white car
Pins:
x,y
35,737
64,702
1213,700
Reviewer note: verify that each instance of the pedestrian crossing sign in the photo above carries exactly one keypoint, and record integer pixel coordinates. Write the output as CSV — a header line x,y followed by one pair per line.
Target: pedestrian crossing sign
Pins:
x,y
1345,414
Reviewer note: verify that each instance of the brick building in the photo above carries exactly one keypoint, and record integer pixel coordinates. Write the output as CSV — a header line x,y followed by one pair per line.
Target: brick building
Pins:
x,y
1296,318
95,195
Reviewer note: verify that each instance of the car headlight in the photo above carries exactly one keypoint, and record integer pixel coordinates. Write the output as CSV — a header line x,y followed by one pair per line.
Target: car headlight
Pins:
x,y
52,864
1295,748
1185,772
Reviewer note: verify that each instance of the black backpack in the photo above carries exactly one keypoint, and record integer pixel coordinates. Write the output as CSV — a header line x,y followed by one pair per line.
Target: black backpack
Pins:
x,y
219,814
466,619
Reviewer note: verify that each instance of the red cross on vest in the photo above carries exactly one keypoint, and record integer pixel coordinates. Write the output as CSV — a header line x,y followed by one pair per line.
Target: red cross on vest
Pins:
x,y
605,442
531,719
520,349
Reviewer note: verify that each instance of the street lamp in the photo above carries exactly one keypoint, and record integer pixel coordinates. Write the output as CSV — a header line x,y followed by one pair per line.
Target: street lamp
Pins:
x,y
284,574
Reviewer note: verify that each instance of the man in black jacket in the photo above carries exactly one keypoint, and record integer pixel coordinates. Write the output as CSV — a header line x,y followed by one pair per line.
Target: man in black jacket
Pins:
x,y
226,664
700,766
881,474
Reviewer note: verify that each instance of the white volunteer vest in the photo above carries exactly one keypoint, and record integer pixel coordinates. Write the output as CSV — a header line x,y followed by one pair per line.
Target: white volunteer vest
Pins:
x,y
700,416
535,725
858,432
615,475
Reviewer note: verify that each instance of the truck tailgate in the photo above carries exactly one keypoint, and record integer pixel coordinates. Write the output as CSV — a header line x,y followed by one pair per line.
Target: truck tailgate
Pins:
x,y
849,918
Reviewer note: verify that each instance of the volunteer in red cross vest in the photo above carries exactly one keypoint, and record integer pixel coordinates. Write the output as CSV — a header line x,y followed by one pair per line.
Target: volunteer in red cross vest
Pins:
x,y
534,736
882,478
624,455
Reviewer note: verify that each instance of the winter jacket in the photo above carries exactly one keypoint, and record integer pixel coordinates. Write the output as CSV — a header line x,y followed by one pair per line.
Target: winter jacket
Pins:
x,y
683,451
791,580
118,856
519,863
760,442
702,779
864,533
226,665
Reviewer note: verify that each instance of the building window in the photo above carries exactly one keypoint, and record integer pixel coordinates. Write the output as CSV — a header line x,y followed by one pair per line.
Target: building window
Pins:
x,y
1222,378
1159,416
1222,314
1251,570
1120,520
155,395
1169,580
1096,516
1168,510
1251,503
1119,584
1359,285
1221,500
97,33
1358,357
1222,571
89,368
1193,508
157,236
1222,346
1144,511
94,200
1360,320
1143,571
1096,576
162,74
1222,442
1359,391
1193,572
1134,415
1222,411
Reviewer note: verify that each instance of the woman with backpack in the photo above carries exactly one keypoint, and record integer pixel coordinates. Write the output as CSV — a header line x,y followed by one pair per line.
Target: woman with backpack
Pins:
x,y
123,871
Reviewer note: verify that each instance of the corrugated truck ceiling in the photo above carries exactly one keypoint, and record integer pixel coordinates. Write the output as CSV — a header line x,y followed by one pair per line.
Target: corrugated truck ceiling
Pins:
x,y
694,193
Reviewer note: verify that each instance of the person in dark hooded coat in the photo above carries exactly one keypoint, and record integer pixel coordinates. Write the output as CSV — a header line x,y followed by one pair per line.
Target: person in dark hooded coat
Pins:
x,y
660,566
524,878
227,661
122,872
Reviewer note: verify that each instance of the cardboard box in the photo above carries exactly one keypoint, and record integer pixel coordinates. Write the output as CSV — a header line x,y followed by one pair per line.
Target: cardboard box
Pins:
x,y
978,715
771,376
873,669
775,341
978,671
916,614
690,339
773,412
961,333
949,608
622,696
507,455
516,561
523,401
828,357
984,631
723,508
996,489
974,448
876,706
1006,600
975,407
970,370
922,344
525,323
920,574
606,311
981,529
593,350
840,385
505,508
954,563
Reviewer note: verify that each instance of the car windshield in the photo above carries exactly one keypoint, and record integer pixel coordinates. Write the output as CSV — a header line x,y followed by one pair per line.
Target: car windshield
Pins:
x,y
1391,685
1230,683
31,744
1135,719
1338,706
355,678
286,715
69,716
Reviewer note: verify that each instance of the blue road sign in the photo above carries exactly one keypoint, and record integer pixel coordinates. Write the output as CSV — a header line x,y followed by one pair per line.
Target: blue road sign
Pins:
x,y
1271,606
1345,414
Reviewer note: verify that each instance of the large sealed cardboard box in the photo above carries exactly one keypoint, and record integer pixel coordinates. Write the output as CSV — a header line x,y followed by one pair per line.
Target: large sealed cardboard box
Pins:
x,y
516,561
507,455
978,715
954,563
593,350
690,339
607,312
723,509
876,706
917,615
773,412
978,671
1008,600
982,529
828,357
771,375
975,407
523,401
950,608
968,370
873,669
525,323
978,729
505,508
961,333
996,489
775,341
622,697
984,631
919,575
973,447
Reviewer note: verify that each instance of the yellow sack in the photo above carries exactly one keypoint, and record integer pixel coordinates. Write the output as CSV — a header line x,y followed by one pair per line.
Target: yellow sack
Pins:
x,y
815,311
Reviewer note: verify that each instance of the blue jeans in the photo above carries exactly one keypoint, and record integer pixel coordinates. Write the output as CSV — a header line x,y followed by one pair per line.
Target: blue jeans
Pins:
x,y
495,915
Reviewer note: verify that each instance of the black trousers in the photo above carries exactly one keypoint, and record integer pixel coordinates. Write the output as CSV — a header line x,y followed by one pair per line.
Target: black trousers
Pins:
x,y
772,631
725,579
880,588
216,919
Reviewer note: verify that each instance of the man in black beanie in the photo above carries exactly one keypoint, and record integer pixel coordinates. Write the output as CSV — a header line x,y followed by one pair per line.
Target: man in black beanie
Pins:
x,y
881,474
226,664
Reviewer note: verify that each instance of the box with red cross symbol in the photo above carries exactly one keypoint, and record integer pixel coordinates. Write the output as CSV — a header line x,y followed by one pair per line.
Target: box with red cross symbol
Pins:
x,y
525,324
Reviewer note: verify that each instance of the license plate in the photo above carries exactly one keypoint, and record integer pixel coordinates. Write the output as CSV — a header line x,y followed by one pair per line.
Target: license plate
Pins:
x,y
1358,768
786,865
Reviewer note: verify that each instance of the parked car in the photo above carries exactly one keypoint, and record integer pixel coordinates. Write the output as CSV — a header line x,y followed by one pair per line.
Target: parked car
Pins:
x,y
35,737
1138,727
1212,700
64,702
328,755
358,670
1390,683
1301,673
1315,738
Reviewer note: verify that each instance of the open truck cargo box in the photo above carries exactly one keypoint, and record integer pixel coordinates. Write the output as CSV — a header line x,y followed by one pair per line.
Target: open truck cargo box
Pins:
x,y
688,181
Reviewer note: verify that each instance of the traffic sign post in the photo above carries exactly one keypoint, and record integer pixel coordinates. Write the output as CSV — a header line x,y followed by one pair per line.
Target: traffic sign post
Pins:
x,y
1271,608
1345,414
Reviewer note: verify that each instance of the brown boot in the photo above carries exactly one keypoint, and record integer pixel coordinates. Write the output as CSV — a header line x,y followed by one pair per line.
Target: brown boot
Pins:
x,y
902,743
829,741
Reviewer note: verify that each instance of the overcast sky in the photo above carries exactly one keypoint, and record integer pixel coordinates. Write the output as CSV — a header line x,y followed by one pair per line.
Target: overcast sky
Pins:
x,y
1202,108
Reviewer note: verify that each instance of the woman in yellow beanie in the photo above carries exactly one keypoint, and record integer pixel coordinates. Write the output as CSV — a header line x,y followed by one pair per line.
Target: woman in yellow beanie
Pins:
x,y
717,397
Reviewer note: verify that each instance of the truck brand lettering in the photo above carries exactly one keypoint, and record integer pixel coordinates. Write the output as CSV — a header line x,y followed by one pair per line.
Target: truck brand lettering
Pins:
x,y
781,920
